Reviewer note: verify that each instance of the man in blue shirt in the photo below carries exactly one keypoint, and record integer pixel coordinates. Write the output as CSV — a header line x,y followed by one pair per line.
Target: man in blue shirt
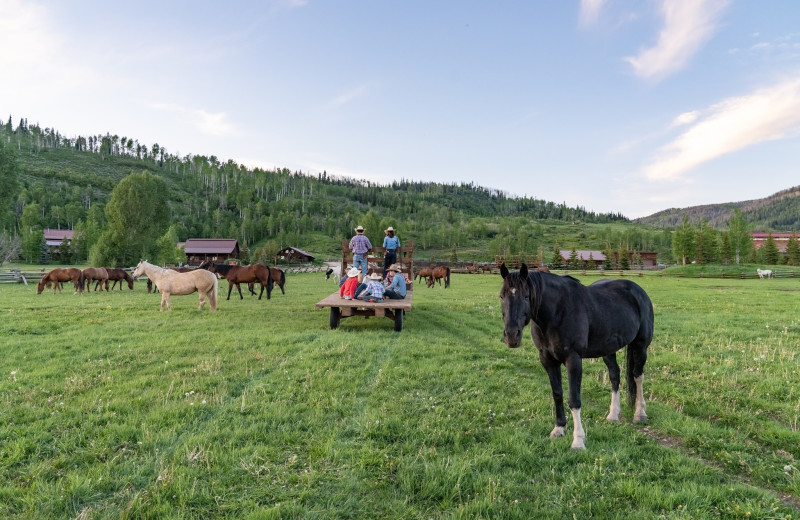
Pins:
x,y
360,246
397,287
390,243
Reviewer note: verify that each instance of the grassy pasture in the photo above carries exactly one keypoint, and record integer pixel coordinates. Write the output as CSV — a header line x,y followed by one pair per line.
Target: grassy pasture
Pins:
x,y
111,409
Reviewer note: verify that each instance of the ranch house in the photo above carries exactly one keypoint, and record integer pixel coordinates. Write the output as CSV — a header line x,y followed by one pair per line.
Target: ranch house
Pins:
x,y
199,250
55,237
292,254
780,239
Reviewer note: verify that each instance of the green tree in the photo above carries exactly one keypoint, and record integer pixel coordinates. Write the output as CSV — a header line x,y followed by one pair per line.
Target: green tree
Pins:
x,y
683,241
726,250
624,261
574,262
741,240
137,215
9,171
793,250
769,251
167,246
556,260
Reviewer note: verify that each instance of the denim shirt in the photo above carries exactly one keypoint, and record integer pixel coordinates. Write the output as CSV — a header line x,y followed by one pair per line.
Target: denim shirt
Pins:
x,y
398,284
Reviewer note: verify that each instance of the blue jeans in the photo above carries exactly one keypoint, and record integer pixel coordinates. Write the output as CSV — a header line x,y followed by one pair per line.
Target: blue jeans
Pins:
x,y
360,260
391,294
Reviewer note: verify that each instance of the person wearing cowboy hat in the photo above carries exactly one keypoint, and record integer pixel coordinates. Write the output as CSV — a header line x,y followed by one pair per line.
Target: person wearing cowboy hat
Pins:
x,y
397,288
348,288
390,244
360,246
372,290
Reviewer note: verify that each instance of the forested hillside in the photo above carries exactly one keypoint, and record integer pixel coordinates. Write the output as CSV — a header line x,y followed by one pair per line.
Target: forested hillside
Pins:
x,y
65,182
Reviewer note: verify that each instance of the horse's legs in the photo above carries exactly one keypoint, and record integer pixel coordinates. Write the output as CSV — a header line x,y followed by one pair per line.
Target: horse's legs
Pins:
x,y
163,301
574,376
230,288
239,288
613,374
637,357
553,369
202,296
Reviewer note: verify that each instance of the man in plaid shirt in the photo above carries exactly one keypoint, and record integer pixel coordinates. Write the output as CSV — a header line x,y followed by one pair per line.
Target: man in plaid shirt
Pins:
x,y
360,245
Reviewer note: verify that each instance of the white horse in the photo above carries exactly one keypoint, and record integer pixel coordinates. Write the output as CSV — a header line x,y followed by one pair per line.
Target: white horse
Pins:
x,y
764,272
172,282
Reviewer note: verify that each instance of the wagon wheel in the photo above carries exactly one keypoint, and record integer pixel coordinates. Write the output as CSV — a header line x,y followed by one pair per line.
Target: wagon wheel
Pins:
x,y
398,319
336,317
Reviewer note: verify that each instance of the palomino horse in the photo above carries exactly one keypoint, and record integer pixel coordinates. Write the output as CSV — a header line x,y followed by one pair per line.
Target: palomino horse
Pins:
x,y
764,272
119,275
56,276
99,275
172,282
236,274
572,321
440,272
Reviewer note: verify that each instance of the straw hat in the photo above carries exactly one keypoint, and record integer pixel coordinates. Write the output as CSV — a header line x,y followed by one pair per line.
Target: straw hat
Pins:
x,y
375,276
390,228
360,229
395,268
352,272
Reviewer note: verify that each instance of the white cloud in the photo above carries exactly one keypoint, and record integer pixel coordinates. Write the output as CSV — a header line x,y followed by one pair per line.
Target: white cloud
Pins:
x,y
735,123
215,124
590,12
688,24
349,96
686,118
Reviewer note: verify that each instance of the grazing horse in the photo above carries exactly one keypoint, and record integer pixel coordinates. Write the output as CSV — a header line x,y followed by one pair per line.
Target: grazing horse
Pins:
x,y
236,274
99,275
56,276
572,321
119,275
172,282
423,274
764,272
437,274
330,273
278,277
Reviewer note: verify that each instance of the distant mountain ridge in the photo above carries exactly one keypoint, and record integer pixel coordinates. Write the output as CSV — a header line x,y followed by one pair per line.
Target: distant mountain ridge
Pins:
x,y
778,212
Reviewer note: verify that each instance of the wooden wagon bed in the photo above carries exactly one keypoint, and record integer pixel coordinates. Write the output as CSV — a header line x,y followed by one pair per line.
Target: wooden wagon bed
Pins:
x,y
392,309
388,308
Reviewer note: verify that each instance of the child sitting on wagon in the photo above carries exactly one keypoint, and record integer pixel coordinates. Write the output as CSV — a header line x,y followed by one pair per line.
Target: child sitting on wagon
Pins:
x,y
349,284
371,291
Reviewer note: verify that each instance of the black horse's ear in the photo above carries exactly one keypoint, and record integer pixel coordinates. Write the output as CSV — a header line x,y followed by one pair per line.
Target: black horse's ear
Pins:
x,y
523,270
503,270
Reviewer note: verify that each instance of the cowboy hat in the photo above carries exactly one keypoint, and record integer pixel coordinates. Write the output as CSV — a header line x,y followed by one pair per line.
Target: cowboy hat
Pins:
x,y
352,272
395,268
390,228
375,276
360,229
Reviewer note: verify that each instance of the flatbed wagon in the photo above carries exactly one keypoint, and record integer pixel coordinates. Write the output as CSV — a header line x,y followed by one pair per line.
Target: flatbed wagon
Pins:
x,y
393,309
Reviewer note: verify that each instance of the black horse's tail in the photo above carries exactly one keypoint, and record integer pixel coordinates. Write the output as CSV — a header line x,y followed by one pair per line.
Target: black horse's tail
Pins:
x,y
283,279
629,380
447,279
81,281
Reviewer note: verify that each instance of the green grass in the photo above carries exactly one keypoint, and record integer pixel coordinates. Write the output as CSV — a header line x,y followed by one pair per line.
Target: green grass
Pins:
x,y
114,410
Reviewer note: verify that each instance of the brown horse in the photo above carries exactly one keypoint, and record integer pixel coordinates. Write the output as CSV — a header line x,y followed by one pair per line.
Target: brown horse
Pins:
x,y
439,273
119,275
423,274
236,274
99,275
56,276
278,277
170,282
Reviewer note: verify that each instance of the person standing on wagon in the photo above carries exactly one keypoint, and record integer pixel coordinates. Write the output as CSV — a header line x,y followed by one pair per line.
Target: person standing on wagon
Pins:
x,y
391,244
360,246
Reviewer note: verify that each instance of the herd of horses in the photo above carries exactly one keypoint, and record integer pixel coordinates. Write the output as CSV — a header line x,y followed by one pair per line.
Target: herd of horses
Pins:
x,y
82,279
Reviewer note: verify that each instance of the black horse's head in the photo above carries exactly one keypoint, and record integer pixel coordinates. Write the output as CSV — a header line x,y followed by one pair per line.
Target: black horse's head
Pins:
x,y
516,301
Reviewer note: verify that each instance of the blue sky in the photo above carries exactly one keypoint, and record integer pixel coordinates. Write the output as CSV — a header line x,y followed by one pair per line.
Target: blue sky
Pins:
x,y
616,106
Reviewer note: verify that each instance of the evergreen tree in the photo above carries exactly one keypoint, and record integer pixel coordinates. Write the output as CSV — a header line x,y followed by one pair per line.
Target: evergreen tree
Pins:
x,y
9,171
556,259
624,261
726,251
793,250
574,262
608,263
770,253
683,241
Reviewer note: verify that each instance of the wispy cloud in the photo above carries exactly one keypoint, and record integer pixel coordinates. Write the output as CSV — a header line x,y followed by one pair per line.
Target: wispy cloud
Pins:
x,y
590,12
688,24
350,95
735,123
215,124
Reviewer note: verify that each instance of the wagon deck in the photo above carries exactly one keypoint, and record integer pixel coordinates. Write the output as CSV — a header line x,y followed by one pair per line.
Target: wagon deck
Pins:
x,y
393,309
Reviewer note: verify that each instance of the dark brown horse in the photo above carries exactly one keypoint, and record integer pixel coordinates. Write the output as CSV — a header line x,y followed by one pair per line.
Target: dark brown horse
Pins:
x,y
99,275
236,274
278,277
56,276
439,273
119,275
423,274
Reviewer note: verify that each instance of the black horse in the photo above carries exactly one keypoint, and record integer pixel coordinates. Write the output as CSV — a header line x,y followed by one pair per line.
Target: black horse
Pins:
x,y
572,321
